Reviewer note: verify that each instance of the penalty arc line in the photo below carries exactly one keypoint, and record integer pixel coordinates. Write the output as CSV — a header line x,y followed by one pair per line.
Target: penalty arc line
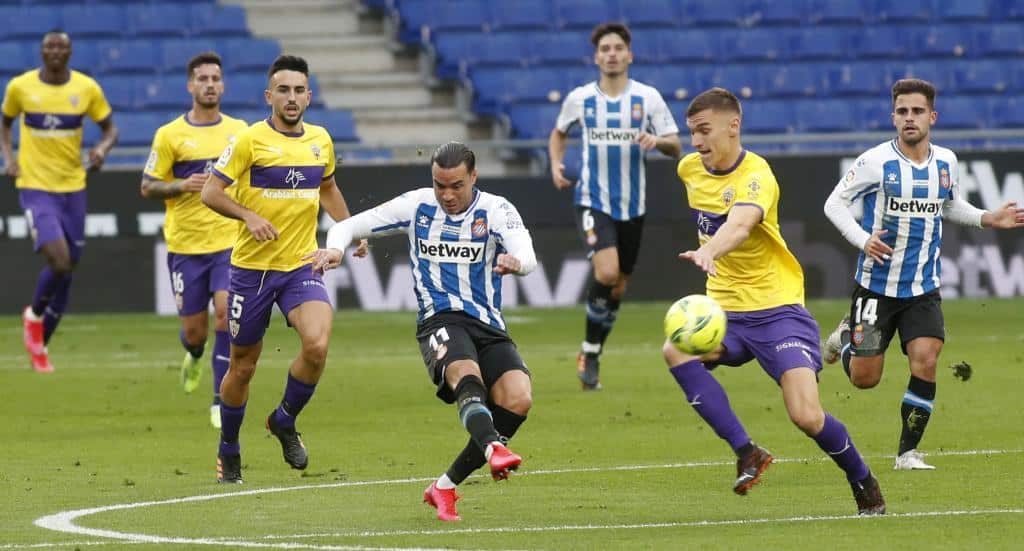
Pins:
x,y
65,521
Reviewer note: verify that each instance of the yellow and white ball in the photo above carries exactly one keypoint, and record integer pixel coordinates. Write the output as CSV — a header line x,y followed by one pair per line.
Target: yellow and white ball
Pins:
x,y
695,324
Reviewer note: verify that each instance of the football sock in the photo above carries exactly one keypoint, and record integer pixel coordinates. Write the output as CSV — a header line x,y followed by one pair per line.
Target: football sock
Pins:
x,y
46,286
296,396
55,309
915,412
445,483
709,400
613,314
835,441
598,296
195,350
220,360
471,458
845,354
470,397
230,424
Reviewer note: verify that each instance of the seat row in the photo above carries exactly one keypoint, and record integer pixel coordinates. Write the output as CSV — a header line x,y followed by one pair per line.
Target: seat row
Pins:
x,y
82,20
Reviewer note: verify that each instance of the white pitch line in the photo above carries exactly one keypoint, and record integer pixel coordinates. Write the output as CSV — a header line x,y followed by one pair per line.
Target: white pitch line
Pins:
x,y
65,521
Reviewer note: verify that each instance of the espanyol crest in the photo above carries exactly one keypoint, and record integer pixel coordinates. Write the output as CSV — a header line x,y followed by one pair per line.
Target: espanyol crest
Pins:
x,y
944,178
479,227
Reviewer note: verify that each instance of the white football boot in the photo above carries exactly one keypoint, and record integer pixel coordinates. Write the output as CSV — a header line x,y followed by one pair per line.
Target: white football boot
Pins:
x,y
912,460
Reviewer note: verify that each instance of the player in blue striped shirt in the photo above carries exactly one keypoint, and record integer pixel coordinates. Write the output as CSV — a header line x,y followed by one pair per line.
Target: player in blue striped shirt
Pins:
x,y
907,186
620,119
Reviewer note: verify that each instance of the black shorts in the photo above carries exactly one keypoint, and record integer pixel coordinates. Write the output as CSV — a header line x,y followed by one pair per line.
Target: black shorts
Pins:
x,y
600,231
451,336
875,318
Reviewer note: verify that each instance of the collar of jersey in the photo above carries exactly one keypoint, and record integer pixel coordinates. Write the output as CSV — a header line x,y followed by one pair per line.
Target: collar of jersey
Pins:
x,y
895,147
200,124
462,215
270,123
624,93
716,172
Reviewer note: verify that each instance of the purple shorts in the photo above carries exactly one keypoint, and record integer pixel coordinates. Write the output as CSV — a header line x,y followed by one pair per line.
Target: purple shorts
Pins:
x,y
780,338
253,293
195,277
53,216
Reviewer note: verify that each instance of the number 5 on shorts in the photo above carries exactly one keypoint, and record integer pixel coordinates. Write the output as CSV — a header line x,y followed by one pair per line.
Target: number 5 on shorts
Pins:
x,y
236,306
869,314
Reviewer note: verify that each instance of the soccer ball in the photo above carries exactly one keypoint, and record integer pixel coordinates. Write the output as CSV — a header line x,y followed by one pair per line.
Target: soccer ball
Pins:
x,y
695,324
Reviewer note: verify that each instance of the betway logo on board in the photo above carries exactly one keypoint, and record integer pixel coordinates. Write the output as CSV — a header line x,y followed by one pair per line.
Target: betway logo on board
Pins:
x,y
612,136
908,207
450,251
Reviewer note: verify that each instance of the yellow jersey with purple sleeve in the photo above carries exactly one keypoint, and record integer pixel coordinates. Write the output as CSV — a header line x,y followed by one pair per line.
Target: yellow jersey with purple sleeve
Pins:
x,y
180,149
50,152
278,175
760,273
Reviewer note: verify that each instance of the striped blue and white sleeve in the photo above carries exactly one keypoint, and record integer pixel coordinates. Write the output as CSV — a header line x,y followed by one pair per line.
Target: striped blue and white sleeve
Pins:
x,y
387,218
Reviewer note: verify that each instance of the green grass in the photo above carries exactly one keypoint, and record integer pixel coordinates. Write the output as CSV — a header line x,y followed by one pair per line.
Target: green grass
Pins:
x,y
112,426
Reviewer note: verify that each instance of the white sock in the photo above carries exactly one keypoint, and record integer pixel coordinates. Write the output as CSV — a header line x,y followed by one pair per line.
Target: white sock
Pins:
x,y
444,483
32,315
590,347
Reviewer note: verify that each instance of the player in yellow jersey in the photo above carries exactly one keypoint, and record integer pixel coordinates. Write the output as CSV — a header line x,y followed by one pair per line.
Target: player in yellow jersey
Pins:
x,y
751,273
198,240
53,102
282,170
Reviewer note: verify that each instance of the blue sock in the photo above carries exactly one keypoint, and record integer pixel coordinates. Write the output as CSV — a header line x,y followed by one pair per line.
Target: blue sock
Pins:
x,y
46,286
708,398
296,396
835,441
220,361
230,425
196,351
55,309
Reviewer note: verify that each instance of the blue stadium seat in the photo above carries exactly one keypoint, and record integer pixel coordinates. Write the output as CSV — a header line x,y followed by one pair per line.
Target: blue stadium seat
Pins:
x,y
85,57
1008,9
247,91
713,13
902,12
820,43
768,116
338,122
1002,39
97,21
123,92
137,129
675,81
934,72
772,13
981,77
793,80
217,20
1007,112
583,14
895,41
560,48
828,115
160,19
947,41
14,58
849,12
437,15
963,10
248,54
166,92
532,121
743,80
855,79
455,49
961,112
875,114
687,45
174,53
651,13
521,15
757,44
31,22
511,49
498,87
127,56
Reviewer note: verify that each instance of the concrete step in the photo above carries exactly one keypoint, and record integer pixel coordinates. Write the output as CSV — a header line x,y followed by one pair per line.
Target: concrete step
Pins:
x,y
342,54
408,131
418,114
367,98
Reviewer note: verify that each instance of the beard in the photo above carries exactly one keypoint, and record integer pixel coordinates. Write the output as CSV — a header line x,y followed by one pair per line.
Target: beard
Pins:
x,y
289,119
914,140
202,102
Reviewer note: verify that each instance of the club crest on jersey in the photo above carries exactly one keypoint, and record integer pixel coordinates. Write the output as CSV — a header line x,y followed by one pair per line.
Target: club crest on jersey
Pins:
x,y
316,151
638,111
73,98
440,352
944,180
179,301
728,195
858,335
479,227
233,327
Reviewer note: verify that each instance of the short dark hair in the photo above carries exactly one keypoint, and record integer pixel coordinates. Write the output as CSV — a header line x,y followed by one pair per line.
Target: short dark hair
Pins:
x,y
288,63
914,86
56,30
716,99
205,58
609,28
453,154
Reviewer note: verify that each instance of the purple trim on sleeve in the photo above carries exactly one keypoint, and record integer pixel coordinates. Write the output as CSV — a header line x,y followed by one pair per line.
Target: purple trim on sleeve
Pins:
x,y
222,176
759,207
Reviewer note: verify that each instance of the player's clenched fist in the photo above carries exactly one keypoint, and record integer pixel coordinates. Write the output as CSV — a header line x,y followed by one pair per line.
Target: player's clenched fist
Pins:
x,y
507,264
260,228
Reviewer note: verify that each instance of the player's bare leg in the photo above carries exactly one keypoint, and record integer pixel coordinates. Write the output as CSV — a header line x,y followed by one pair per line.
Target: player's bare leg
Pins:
x,y
800,394
221,356
194,328
234,391
601,312
312,321
918,401
866,371
40,319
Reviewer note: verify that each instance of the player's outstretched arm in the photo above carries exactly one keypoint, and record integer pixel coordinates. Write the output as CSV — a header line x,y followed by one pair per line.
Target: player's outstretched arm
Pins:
x,y
6,146
213,196
334,204
151,188
1007,217
668,144
735,230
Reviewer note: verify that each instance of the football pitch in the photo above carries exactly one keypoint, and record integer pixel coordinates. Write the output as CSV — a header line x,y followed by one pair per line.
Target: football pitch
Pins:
x,y
109,453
